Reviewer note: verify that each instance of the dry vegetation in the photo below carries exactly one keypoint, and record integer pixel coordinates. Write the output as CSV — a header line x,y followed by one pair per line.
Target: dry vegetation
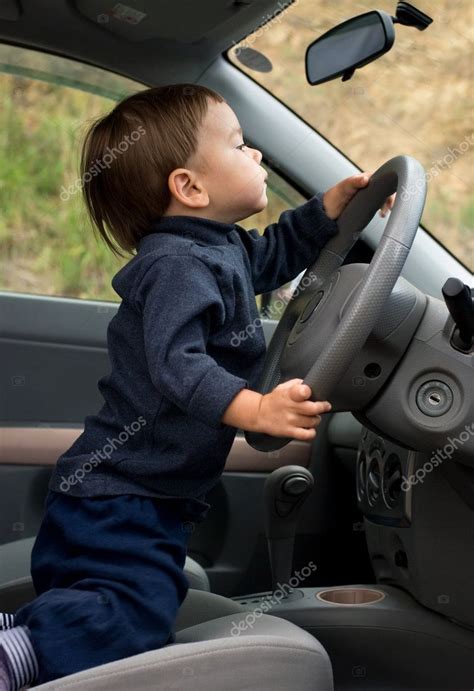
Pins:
x,y
417,100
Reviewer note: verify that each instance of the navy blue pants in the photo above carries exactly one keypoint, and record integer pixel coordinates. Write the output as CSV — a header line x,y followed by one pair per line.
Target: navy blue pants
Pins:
x,y
108,574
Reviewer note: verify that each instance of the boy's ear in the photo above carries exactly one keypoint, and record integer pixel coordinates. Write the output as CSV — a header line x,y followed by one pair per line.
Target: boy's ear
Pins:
x,y
186,188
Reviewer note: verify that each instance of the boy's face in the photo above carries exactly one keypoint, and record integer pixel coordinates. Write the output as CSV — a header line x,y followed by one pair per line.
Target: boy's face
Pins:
x,y
224,180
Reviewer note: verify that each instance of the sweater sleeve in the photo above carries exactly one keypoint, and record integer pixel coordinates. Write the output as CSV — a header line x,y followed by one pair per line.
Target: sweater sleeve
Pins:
x,y
288,246
180,299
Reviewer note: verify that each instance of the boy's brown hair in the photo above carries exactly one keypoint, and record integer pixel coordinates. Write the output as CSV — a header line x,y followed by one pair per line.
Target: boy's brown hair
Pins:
x,y
140,142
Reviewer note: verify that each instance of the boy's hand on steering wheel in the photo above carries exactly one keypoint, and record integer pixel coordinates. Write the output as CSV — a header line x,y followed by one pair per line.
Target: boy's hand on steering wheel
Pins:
x,y
337,198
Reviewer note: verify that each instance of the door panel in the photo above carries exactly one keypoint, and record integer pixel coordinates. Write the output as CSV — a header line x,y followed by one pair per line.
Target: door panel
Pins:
x,y
52,353
43,445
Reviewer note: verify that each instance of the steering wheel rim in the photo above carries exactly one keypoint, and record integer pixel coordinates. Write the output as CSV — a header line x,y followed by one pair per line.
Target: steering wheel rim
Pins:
x,y
401,174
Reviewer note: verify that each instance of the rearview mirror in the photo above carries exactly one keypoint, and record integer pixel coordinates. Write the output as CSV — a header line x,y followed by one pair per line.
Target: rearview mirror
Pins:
x,y
356,42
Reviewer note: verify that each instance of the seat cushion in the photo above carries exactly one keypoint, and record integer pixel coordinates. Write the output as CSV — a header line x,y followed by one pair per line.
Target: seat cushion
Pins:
x,y
16,586
234,652
197,577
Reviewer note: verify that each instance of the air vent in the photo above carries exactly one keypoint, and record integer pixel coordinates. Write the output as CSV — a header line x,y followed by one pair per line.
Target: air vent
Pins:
x,y
392,481
373,481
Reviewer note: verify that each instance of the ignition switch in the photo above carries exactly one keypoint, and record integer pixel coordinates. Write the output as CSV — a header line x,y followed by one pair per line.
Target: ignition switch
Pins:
x,y
434,398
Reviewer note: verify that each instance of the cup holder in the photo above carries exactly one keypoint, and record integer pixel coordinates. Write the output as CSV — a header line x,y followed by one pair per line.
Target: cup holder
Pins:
x,y
350,596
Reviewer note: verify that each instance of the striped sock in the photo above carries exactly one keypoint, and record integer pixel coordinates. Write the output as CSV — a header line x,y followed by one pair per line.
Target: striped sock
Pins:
x,y
16,644
7,621
6,680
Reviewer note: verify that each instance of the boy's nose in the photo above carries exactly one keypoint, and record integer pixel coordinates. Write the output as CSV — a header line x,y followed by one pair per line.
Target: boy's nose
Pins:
x,y
258,155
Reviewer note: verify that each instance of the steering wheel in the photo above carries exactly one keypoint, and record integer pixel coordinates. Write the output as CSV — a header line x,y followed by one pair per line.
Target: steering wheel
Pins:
x,y
298,326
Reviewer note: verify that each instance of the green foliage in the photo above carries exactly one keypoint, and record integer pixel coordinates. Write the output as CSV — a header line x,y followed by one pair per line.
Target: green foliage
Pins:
x,y
47,245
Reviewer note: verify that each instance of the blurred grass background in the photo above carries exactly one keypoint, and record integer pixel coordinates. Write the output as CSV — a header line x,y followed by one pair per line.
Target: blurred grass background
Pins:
x,y
47,245
416,100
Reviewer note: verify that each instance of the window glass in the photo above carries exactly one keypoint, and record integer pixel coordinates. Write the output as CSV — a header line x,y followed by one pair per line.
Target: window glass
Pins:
x,y
47,246
281,196
416,100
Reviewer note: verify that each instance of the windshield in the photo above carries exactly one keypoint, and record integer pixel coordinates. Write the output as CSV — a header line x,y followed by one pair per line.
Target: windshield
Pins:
x,y
416,100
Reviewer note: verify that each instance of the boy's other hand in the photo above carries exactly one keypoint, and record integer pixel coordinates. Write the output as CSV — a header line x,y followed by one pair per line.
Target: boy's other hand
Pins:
x,y
286,412
337,198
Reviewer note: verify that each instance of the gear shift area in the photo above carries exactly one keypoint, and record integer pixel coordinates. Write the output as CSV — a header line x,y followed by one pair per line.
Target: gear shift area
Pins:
x,y
286,490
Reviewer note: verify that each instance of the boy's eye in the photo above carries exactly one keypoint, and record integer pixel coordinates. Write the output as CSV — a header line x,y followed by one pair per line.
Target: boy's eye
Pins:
x,y
241,145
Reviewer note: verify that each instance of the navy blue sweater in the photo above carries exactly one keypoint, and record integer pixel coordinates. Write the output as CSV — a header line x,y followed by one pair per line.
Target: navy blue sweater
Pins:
x,y
185,340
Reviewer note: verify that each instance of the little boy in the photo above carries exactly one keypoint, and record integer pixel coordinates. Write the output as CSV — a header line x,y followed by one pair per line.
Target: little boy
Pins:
x,y
108,562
